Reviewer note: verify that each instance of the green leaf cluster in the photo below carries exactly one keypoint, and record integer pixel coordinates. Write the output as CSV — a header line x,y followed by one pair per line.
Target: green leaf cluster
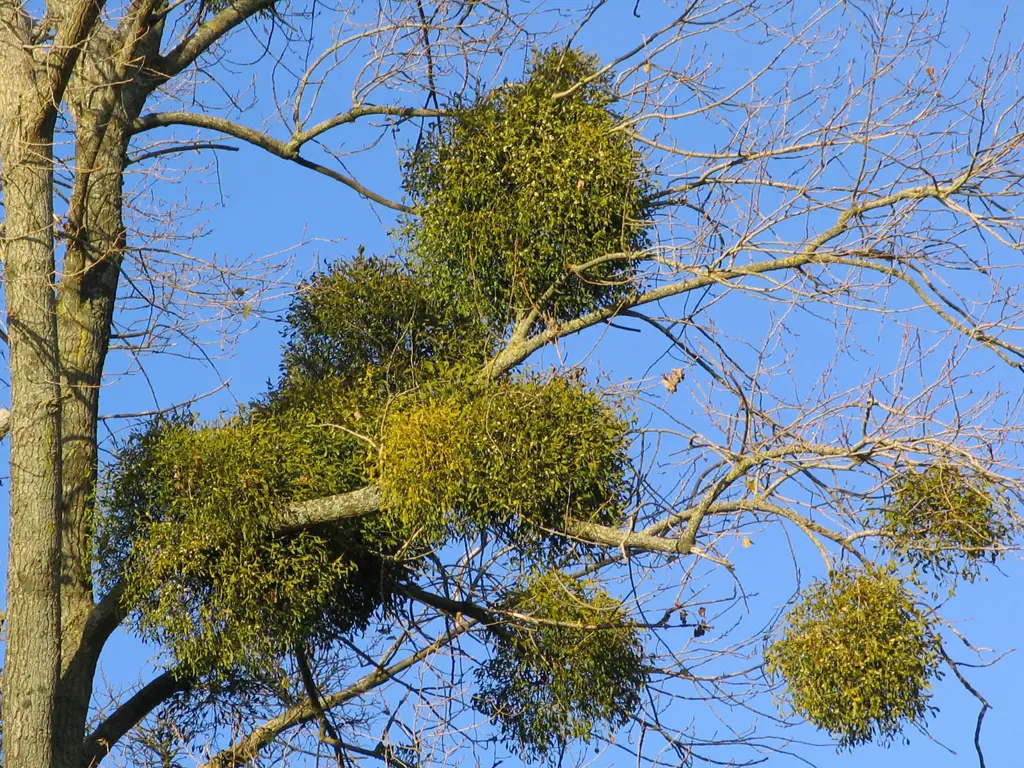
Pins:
x,y
374,314
381,383
946,521
516,190
515,457
857,656
568,663
192,525
376,387
190,513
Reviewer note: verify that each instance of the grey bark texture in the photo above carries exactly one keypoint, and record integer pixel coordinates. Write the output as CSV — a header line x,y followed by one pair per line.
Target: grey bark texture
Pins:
x,y
31,90
33,595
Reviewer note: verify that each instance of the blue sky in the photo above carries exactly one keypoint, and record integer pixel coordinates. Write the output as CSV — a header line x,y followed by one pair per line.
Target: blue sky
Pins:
x,y
261,205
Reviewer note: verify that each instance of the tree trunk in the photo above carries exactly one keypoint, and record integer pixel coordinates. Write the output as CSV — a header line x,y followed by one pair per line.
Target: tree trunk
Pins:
x,y
53,646
85,310
103,110
32,663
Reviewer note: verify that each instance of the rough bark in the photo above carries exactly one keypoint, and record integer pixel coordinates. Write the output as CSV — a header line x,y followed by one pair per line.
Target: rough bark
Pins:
x,y
331,509
33,582
85,308
49,590
103,101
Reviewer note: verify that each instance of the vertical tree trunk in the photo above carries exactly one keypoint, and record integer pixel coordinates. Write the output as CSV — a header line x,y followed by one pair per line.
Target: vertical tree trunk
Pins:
x,y
88,287
103,101
85,310
33,700
32,663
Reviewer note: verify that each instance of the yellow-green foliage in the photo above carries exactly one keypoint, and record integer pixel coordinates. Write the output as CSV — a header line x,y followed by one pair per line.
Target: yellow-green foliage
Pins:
x,y
189,523
532,178
857,656
945,520
191,511
381,384
572,666
514,457
373,314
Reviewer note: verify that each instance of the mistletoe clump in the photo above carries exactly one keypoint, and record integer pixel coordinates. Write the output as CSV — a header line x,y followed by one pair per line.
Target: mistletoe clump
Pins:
x,y
857,656
514,457
192,523
529,200
193,515
945,520
516,192
567,663
372,314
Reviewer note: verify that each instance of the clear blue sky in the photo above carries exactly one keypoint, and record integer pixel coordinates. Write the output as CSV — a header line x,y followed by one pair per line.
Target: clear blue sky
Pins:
x,y
269,206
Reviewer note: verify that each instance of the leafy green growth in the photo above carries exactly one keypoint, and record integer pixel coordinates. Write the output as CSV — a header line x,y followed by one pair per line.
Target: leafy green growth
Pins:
x,y
191,526
361,333
857,656
381,383
515,191
370,313
514,457
192,513
945,521
567,664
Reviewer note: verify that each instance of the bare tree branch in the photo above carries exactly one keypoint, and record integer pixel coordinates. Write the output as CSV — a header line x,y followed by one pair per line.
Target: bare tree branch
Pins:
x,y
248,747
211,31
131,713
286,150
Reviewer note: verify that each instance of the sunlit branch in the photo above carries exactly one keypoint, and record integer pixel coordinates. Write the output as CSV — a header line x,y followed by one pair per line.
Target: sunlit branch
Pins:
x,y
190,49
286,150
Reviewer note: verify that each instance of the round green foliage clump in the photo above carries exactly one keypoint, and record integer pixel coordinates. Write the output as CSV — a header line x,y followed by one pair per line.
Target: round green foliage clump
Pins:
x,y
192,523
945,520
857,656
369,313
513,457
516,190
568,663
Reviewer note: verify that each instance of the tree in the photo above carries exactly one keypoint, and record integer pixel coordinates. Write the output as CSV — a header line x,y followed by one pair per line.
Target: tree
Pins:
x,y
541,569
